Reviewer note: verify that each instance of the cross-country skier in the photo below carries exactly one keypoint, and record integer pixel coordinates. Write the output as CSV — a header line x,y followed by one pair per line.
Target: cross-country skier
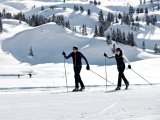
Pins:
x,y
77,65
121,67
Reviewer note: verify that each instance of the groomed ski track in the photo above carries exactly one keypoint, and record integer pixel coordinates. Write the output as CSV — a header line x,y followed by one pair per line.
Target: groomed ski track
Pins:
x,y
63,89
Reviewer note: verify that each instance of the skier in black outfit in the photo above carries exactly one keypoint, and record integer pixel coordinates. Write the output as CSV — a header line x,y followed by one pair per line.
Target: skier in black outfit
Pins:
x,y
121,67
77,65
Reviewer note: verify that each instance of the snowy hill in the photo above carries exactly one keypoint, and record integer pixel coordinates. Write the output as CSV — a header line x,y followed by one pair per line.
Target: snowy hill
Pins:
x,y
47,52
41,97
49,40
47,47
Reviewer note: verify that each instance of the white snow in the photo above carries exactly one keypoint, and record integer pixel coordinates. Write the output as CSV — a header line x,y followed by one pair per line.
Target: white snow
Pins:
x,y
44,96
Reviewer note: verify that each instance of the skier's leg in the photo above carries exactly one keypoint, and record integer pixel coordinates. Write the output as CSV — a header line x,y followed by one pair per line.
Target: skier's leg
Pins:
x,y
119,77
79,77
125,80
76,77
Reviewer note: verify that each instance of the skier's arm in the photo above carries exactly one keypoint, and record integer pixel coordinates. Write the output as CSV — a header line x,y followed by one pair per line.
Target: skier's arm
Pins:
x,y
108,56
67,57
84,58
126,59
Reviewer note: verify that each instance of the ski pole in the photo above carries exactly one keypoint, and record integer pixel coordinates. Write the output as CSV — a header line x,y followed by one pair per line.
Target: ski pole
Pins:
x,y
106,72
141,77
101,76
65,74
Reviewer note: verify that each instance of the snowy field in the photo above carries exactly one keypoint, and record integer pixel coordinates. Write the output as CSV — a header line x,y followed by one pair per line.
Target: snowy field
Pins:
x,y
137,103
44,97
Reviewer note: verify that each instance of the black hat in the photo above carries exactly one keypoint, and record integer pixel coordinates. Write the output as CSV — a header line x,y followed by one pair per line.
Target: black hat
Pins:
x,y
118,49
75,47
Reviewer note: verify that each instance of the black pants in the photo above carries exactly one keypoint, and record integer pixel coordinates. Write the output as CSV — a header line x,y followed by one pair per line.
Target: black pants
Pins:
x,y
77,76
121,76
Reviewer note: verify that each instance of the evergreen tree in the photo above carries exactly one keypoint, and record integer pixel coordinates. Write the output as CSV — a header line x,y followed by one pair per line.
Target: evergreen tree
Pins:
x,y
110,17
116,20
99,3
108,39
101,18
96,32
137,11
74,30
133,24
131,10
124,38
147,19
68,25
31,52
137,18
158,7
156,49
89,12
1,26
130,38
42,8
81,9
143,45
20,16
125,19
37,20
75,7
8,16
146,10
119,16
140,1
114,49
95,2
60,20
4,13
53,18
113,35
84,30
141,10
144,2
155,19
101,31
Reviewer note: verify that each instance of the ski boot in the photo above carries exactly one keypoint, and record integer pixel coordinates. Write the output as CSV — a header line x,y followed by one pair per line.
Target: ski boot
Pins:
x,y
118,88
82,89
75,90
127,86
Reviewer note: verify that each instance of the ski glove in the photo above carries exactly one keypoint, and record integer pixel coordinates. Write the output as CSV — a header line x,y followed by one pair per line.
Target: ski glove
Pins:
x,y
129,66
88,68
105,54
63,53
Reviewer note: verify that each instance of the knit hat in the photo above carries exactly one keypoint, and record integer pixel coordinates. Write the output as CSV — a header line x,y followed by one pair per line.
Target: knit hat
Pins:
x,y
75,47
118,49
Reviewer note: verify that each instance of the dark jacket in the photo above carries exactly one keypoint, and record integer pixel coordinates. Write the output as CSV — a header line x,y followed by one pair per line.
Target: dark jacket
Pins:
x,y
120,60
77,58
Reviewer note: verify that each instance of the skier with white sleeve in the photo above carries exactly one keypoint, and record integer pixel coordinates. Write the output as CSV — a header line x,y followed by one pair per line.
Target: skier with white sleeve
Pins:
x,y
121,67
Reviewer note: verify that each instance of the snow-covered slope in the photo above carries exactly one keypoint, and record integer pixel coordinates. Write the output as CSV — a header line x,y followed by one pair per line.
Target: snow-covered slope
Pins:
x,y
48,41
40,97
139,103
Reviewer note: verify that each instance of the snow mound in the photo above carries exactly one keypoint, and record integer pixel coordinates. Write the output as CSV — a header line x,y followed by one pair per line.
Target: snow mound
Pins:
x,y
49,40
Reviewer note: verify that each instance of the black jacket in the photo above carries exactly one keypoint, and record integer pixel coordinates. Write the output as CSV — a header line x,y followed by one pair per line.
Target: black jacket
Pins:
x,y
120,61
77,58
